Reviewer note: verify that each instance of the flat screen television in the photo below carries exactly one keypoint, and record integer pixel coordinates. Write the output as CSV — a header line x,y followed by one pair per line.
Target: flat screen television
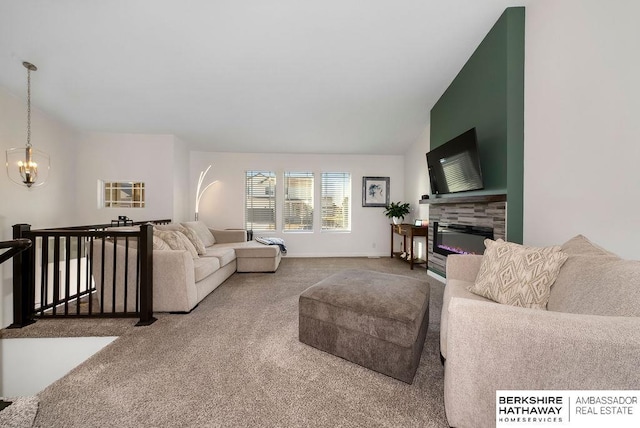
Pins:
x,y
455,165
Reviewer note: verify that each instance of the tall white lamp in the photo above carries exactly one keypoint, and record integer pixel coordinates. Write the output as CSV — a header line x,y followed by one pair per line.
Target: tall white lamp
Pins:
x,y
199,192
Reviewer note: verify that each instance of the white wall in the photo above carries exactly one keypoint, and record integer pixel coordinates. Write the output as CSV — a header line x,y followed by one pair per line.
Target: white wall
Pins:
x,y
416,176
222,206
582,127
582,133
181,204
27,370
126,157
51,205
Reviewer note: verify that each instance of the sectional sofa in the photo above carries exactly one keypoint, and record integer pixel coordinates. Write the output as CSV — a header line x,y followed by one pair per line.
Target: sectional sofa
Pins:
x,y
190,260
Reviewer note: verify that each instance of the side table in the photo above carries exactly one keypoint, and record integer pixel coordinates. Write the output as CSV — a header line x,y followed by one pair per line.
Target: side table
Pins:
x,y
411,231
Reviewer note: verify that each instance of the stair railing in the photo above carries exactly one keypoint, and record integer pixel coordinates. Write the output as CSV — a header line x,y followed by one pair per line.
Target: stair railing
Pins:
x,y
54,277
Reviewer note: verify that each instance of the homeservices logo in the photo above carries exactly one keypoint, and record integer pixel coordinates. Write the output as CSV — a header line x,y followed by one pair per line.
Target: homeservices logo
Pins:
x,y
567,408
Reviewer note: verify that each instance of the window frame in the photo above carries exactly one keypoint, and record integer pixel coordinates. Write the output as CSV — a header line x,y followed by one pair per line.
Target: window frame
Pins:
x,y
347,189
307,200
270,195
109,197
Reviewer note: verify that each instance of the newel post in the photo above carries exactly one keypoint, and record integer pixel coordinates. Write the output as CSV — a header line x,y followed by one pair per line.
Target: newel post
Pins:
x,y
145,252
23,281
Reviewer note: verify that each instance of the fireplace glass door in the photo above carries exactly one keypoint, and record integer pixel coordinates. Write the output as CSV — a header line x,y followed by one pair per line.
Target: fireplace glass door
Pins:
x,y
451,238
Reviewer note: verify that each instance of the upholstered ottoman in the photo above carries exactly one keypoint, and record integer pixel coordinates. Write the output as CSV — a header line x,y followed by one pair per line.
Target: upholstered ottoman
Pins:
x,y
373,319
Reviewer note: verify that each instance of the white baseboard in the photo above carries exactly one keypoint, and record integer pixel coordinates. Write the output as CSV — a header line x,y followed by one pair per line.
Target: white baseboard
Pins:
x,y
310,255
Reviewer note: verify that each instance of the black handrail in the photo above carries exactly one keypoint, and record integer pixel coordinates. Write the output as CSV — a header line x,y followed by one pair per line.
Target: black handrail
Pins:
x,y
52,250
15,246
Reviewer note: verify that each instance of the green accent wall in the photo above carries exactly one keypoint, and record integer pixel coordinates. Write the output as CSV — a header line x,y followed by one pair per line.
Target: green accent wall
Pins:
x,y
488,94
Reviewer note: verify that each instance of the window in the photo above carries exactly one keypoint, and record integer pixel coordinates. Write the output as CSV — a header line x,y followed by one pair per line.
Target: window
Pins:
x,y
298,201
260,202
122,194
336,201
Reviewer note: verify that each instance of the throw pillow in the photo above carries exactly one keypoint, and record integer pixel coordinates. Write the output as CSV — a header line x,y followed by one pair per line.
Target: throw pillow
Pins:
x,y
176,241
159,244
168,226
195,240
517,275
188,245
202,231
193,237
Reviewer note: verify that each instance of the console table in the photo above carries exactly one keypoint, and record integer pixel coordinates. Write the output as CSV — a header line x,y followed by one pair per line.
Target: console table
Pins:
x,y
411,231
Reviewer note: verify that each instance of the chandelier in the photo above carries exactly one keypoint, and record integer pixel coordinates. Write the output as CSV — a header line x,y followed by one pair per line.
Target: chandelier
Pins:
x,y
28,166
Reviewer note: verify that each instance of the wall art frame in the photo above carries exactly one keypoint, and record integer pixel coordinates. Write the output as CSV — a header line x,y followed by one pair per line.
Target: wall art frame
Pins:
x,y
375,191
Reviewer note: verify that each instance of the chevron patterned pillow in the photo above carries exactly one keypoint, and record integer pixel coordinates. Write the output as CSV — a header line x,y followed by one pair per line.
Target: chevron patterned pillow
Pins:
x,y
517,275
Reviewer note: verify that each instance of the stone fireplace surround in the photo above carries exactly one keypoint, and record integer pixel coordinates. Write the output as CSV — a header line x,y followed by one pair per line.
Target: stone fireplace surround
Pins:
x,y
481,210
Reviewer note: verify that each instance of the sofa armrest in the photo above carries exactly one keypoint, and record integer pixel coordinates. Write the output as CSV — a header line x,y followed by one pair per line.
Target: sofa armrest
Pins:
x,y
173,281
455,288
464,267
229,235
500,347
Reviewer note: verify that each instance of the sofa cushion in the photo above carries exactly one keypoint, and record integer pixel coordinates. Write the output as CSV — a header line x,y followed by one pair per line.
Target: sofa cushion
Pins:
x,y
517,275
595,281
202,231
205,266
225,254
580,244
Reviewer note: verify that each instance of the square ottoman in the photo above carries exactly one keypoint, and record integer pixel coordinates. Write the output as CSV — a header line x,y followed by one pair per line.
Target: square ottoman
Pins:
x,y
373,319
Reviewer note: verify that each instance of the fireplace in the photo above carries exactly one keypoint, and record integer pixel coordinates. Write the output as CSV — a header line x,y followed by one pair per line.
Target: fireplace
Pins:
x,y
450,238
483,211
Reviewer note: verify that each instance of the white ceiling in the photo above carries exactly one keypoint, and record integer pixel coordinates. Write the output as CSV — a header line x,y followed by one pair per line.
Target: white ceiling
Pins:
x,y
292,76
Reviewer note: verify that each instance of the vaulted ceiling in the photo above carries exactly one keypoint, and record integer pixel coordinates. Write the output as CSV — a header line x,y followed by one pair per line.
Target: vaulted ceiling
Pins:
x,y
289,76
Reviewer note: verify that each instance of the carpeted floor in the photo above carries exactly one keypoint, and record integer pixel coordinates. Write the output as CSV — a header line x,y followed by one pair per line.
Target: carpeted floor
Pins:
x,y
20,413
235,361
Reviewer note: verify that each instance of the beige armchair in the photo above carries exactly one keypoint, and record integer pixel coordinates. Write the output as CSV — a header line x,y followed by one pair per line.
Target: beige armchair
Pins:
x,y
589,338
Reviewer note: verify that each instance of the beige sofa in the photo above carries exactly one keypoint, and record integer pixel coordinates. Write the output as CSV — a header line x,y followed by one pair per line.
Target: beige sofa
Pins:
x,y
588,338
181,279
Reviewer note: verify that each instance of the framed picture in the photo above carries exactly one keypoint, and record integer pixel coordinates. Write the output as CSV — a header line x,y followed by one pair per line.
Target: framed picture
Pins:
x,y
375,191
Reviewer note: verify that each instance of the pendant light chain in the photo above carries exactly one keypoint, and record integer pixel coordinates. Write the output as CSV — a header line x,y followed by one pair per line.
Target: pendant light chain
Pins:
x,y
28,107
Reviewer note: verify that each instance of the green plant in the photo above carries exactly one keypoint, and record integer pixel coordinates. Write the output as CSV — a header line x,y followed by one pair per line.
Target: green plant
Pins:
x,y
397,209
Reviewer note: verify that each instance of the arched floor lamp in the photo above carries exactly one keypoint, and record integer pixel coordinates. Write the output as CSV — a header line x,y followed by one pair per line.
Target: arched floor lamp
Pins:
x,y
199,192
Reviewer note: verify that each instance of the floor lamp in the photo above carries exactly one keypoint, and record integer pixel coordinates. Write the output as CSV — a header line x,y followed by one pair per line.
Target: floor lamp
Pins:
x,y
199,192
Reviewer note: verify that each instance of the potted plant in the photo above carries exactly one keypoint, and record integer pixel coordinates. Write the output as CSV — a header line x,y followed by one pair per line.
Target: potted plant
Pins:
x,y
396,211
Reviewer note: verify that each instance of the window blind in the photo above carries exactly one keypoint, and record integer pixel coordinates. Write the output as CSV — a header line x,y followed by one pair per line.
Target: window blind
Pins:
x,y
298,201
336,201
260,200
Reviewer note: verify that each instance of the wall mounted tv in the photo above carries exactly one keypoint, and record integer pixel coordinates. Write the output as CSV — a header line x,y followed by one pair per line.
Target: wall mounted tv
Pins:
x,y
455,165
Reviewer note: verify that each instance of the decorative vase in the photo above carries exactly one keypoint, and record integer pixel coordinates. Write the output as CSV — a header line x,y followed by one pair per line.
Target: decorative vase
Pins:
x,y
396,220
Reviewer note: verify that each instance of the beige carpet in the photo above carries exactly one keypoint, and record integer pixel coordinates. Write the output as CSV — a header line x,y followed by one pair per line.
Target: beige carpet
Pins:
x,y
20,414
235,361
